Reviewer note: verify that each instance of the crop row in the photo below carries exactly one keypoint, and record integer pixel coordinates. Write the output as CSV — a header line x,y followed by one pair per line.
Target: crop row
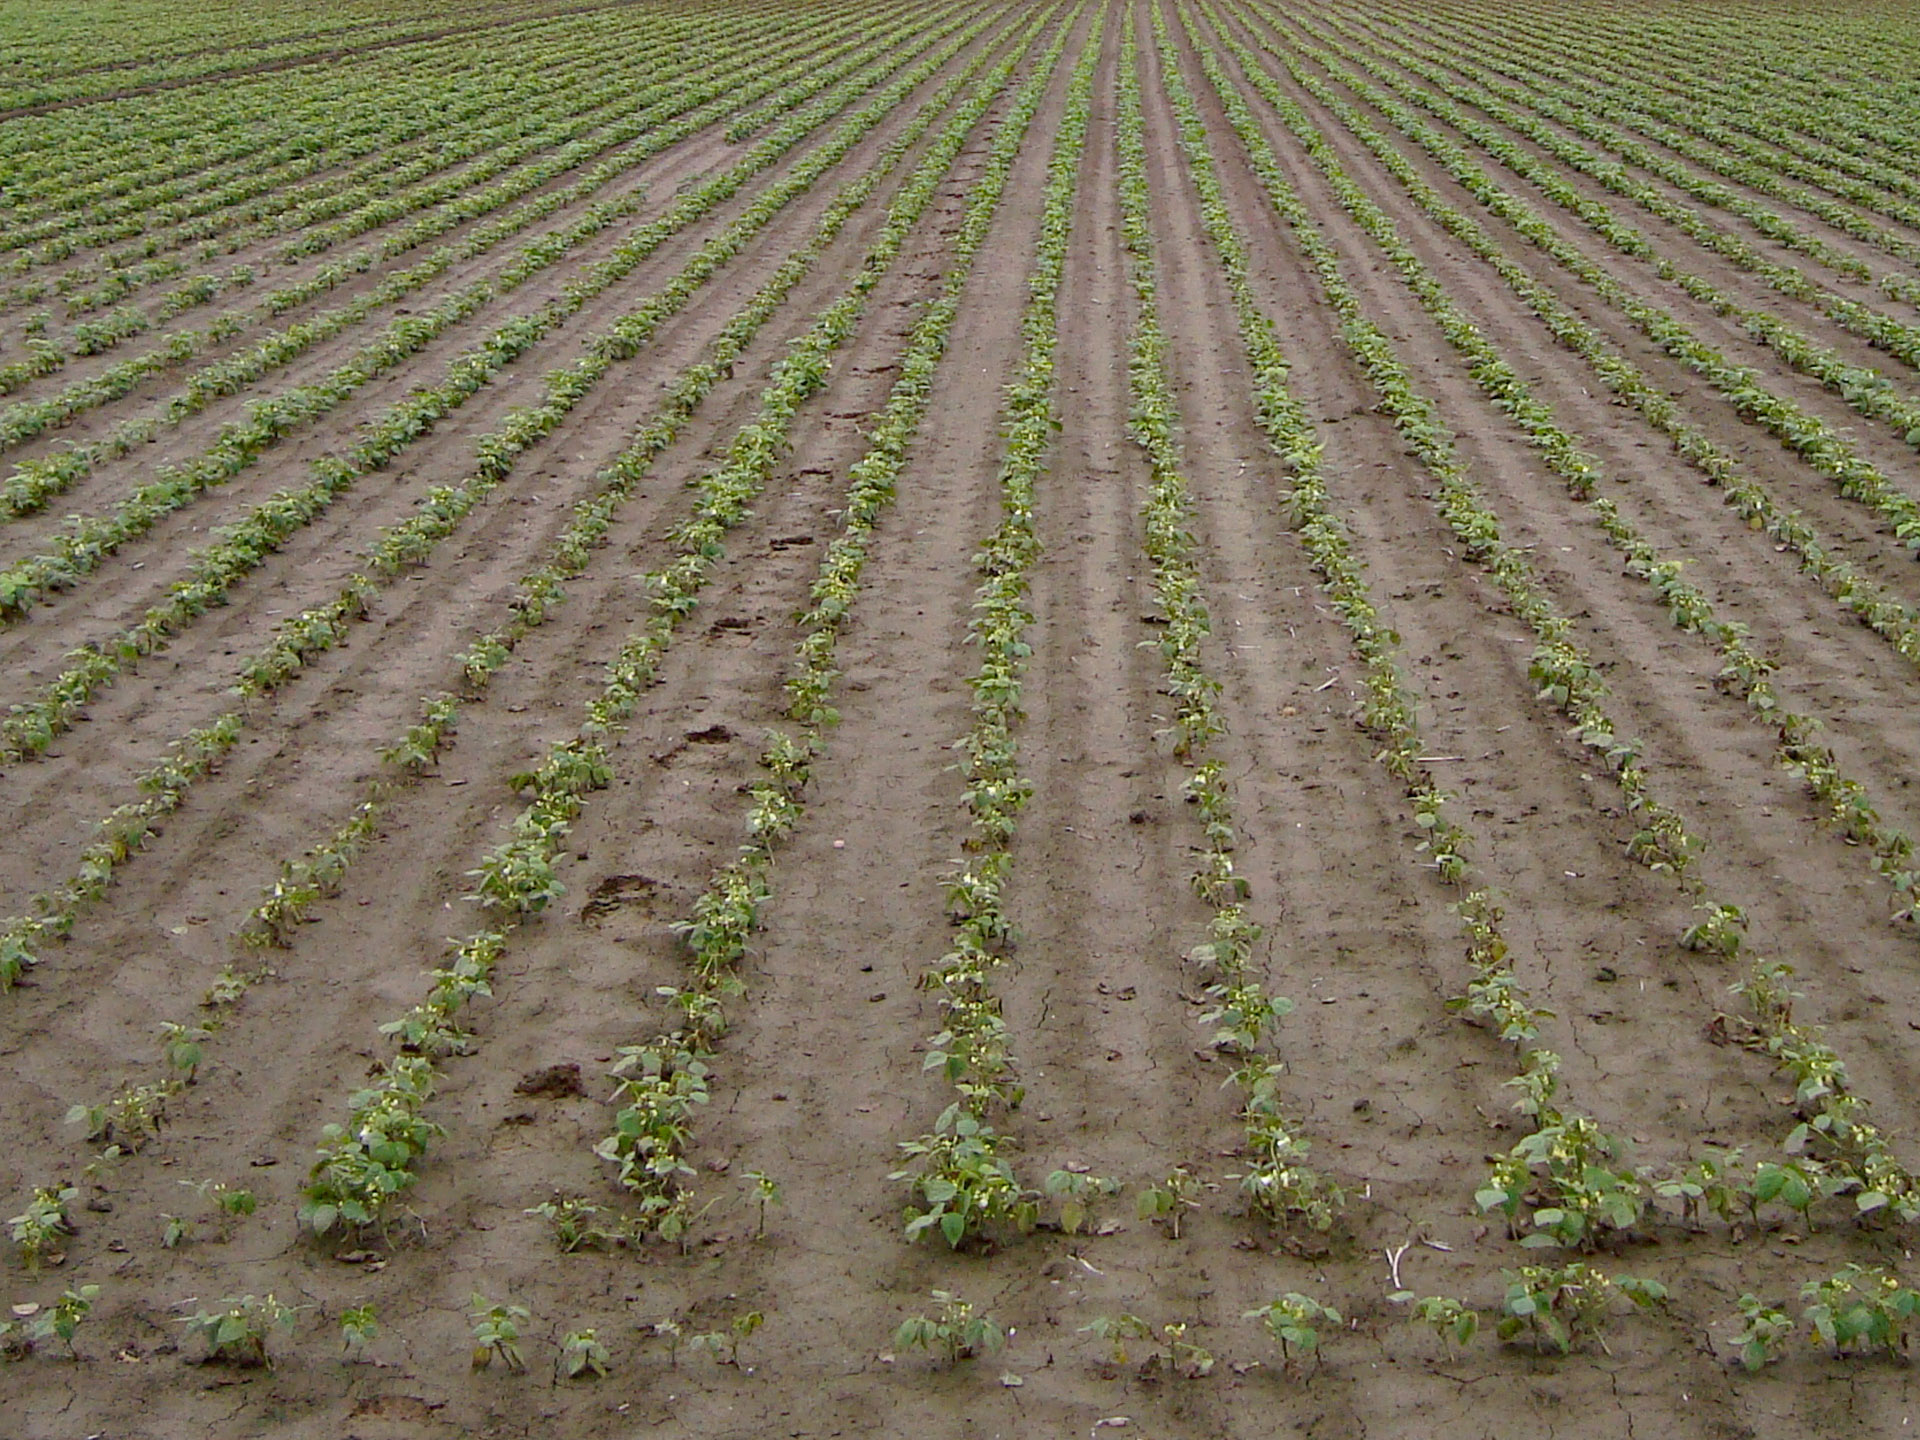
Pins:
x,y
244,546
302,883
960,1176
1580,117
200,66
680,112
1277,1181
601,109
1861,596
365,1162
1841,92
1894,337
665,1077
124,204
1862,1162
105,166
1744,671
1567,1167
1796,144
315,631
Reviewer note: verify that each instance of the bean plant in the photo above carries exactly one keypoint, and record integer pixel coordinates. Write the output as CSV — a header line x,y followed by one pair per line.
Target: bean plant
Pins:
x,y
955,1330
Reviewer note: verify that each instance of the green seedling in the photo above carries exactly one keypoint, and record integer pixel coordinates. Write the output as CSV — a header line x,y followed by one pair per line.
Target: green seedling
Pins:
x,y
955,1330
236,1334
724,1345
1188,1360
1559,1306
582,1355
39,1230
1452,1320
577,1224
1861,1309
1797,1184
967,1185
671,1331
62,1322
1116,1331
1170,1199
1191,1361
228,1202
1720,931
1763,1334
766,1191
1292,1322
1710,1184
358,1328
1077,1191
132,1118
181,1046
496,1333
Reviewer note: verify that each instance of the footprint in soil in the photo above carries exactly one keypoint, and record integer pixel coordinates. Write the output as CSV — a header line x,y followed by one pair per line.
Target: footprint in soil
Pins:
x,y
554,1082
618,892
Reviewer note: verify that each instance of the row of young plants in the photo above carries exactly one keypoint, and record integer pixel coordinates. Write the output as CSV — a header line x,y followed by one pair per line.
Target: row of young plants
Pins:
x,y
129,1115
303,883
97,85
526,133
1567,1169
239,1329
1277,1181
960,1175
1819,444
60,45
865,43
125,203
364,1163
1488,95
1895,337
1850,808
1542,1300
22,937
1582,1195
35,482
1832,1143
253,209
1835,79
661,1081
679,113
1581,119
1779,146
526,149
207,206
1772,150
1765,150
1846,85
240,549
121,833
175,148
47,353
1861,596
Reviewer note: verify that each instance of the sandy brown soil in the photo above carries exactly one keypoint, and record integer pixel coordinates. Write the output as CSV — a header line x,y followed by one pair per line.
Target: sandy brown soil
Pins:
x,y
820,1077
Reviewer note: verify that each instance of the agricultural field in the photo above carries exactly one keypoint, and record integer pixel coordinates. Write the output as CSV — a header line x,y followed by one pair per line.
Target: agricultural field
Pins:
x,y
1184,718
